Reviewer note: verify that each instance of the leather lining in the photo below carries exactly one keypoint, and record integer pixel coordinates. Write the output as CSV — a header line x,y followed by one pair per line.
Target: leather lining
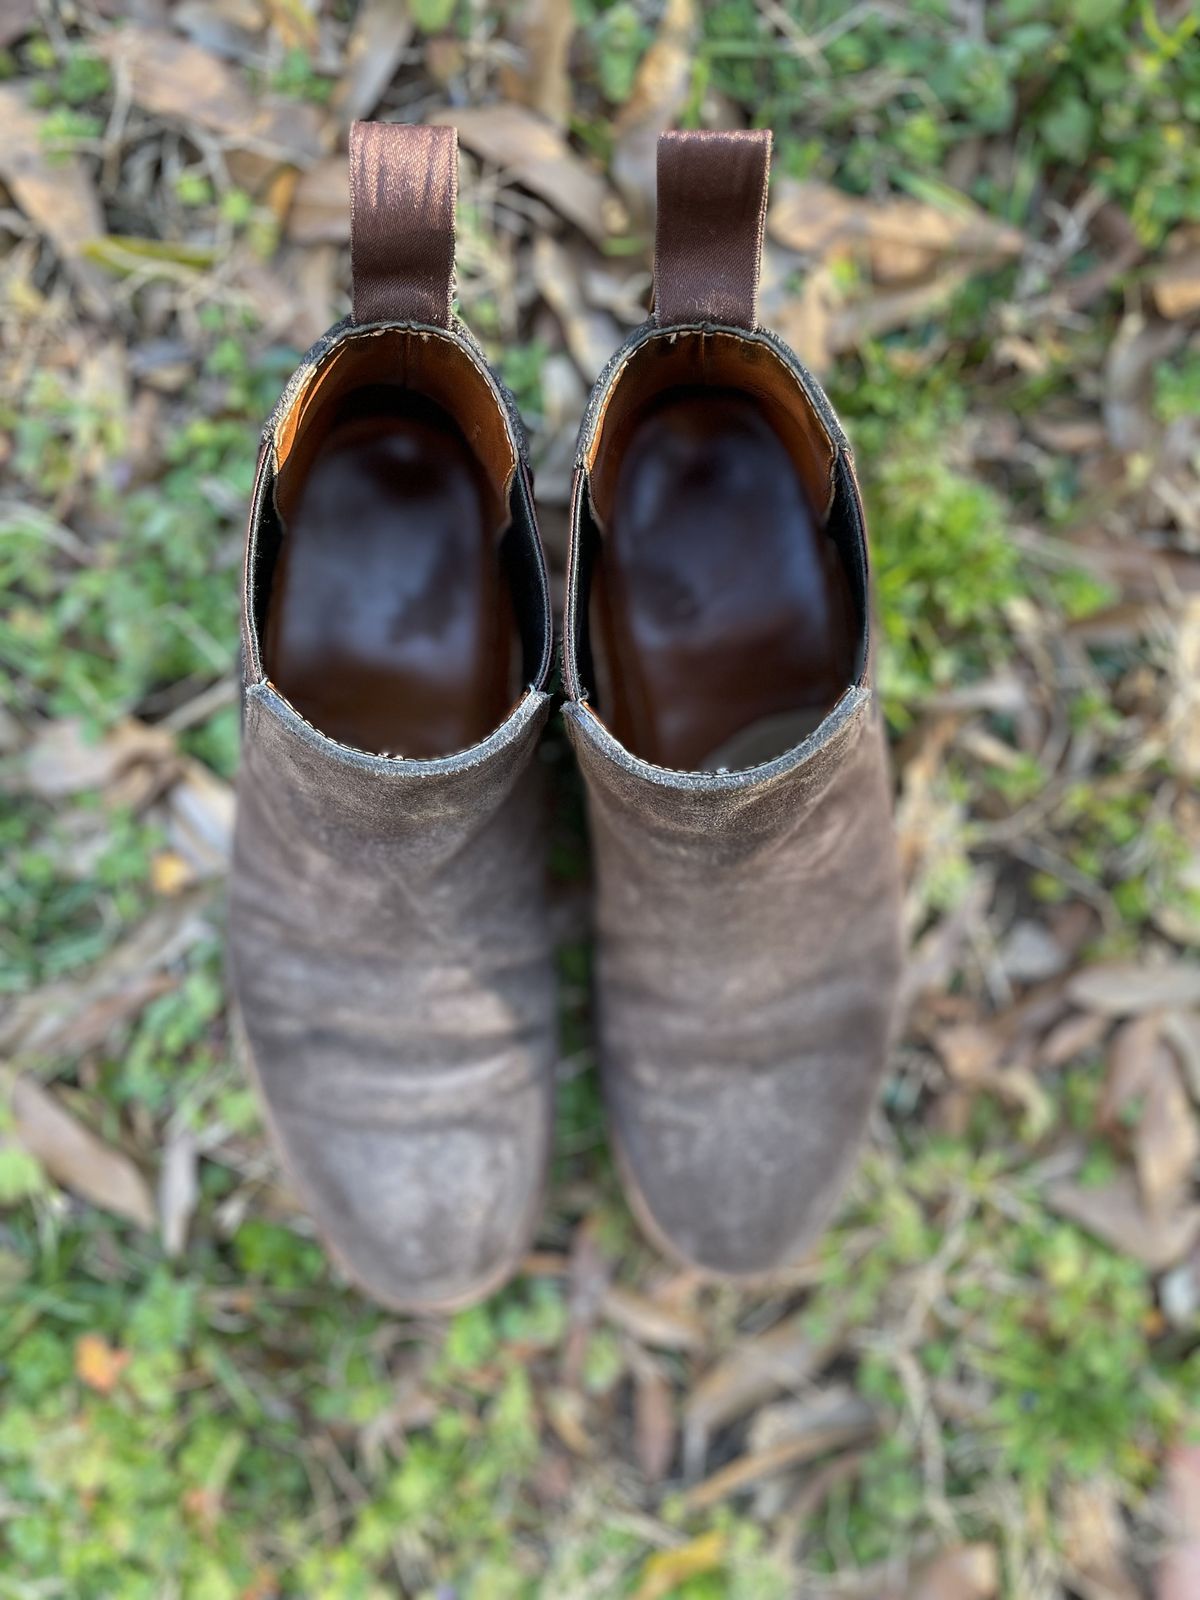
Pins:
x,y
720,358
725,616
390,620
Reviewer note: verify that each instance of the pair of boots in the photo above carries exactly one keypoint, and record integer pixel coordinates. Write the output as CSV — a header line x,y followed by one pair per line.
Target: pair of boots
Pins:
x,y
391,953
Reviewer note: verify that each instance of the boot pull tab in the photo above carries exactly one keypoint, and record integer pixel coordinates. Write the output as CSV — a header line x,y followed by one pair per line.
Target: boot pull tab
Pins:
x,y
712,207
403,188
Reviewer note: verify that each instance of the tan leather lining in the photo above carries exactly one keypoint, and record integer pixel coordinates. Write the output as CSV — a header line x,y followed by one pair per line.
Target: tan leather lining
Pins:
x,y
680,358
419,360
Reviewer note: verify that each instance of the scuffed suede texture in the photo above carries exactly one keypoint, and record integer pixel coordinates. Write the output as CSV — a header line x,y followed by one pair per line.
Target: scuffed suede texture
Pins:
x,y
392,962
391,959
748,956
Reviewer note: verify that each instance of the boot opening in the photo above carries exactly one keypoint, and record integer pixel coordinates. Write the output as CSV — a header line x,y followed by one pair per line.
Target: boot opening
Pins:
x,y
726,606
389,613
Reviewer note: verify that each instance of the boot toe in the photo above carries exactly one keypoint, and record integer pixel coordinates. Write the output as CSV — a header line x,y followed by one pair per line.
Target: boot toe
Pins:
x,y
738,1177
422,1219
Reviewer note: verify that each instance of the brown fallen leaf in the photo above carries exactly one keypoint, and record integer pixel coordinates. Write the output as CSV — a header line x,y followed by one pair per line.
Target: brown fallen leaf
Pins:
x,y
1115,1214
63,760
381,34
660,90
805,320
969,1572
784,1357
1130,1067
178,1190
665,1570
74,1157
902,238
170,873
176,80
201,810
837,1410
17,18
320,210
887,309
650,1323
969,1051
815,1440
535,155
1124,988
1133,358
1181,1030
98,1364
653,1421
1183,715
541,80
1175,285
591,335
70,1016
56,193
1179,1575
1094,1539
1165,1141
1075,1036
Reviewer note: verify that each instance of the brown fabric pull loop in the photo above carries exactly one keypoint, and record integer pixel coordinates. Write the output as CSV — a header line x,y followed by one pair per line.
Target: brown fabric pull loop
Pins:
x,y
712,207
403,189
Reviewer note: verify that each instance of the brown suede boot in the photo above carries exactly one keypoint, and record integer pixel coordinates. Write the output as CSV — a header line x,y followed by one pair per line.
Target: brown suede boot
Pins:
x,y
717,664
388,933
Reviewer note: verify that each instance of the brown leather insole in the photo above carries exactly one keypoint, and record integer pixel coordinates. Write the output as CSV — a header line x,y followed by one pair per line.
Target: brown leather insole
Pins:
x,y
724,614
389,628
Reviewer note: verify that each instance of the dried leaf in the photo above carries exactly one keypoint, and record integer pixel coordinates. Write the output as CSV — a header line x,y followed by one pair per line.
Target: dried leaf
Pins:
x,y
1115,1214
1075,1036
816,1440
177,80
320,210
806,320
178,1190
649,1323
1123,988
69,1017
785,1357
591,336
969,1572
1179,1575
838,1412
885,310
902,238
1183,716
1165,1143
17,18
75,1158
98,1364
1175,286
1094,1539
536,156
969,1051
56,193
1181,1030
653,1421
1031,953
201,807
542,80
170,873
1130,1066
667,1569
381,33
660,90
1133,358
63,760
